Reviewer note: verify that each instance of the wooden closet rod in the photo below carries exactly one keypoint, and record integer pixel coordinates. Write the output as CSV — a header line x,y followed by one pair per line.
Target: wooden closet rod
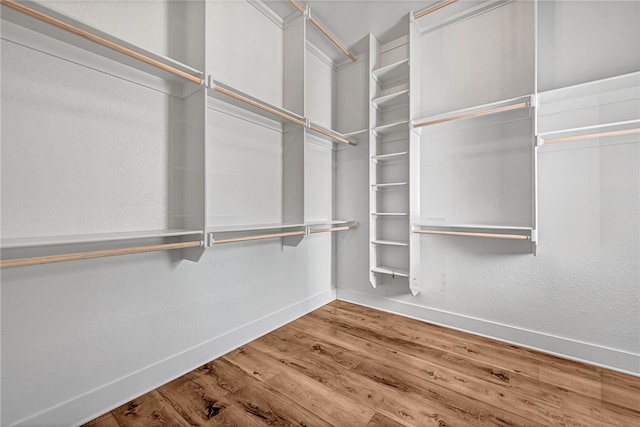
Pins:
x,y
471,234
330,230
331,134
433,9
323,31
592,135
96,254
473,114
99,40
259,237
258,105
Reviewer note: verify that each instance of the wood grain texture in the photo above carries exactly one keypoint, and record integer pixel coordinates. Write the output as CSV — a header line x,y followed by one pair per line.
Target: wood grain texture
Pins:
x,y
348,365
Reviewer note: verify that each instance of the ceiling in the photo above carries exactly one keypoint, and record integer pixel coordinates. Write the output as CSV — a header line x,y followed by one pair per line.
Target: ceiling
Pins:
x,y
351,20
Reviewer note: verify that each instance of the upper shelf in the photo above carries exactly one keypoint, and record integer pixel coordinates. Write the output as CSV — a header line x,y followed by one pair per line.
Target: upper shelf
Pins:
x,y
28,242
477,230
600,102
395,72
225,93
521,103
621,132
331,134
440,14
36,17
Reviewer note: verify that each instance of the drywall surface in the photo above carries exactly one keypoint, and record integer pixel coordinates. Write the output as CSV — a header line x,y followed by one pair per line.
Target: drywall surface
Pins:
x,y
245,49
580,296
79,338
69,329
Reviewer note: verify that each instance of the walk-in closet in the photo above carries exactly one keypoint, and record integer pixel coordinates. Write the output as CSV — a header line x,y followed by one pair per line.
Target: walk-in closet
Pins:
x,y
242,212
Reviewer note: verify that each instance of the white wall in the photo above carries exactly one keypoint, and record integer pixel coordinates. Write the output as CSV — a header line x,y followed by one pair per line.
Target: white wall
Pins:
x,y
579,297
80,338
245,49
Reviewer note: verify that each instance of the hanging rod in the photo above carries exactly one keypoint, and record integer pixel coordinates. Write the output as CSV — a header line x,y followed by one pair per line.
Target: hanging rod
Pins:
x,y
96,254
330,230
98,40
330,134
434,8
470,234
474,114
591,135
323,31
258,105
259,237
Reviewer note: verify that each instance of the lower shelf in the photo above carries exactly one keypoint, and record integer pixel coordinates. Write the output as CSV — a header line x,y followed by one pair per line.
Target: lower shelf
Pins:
x,y
391,271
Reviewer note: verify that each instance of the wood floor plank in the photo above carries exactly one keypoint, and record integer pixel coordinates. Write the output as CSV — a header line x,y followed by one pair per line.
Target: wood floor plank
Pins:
x,y
149,410
531,392
105,420
347,365
392,403
268,407
252,363
621,390
379,420
220,376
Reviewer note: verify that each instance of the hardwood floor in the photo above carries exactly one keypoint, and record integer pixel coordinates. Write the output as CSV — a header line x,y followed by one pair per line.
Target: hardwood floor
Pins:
x,y
347,365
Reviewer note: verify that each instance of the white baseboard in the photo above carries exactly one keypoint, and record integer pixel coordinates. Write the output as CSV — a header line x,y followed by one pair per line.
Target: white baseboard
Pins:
x,y
96,402
609,358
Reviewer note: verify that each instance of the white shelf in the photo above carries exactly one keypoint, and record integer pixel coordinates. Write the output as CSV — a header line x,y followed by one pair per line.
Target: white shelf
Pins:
x,y
325,133
27,242
220,91
392,100
523,103
628,131
481,230
165,68
390,157
389,185
252,227
455,12
597,103
389,214
357,133
391,271
391,128
327,222
389,243
391,73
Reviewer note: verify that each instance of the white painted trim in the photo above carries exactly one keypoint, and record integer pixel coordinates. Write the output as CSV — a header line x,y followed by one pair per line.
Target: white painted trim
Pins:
x,y
609,358
96,402
346,63
268,12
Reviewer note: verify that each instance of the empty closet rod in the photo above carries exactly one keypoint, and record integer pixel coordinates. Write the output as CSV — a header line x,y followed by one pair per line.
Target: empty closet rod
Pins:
x,y
99,40
473,114
96,254
323,31
591,135
330,230
258,237
433,9
258,105
471,234
330,134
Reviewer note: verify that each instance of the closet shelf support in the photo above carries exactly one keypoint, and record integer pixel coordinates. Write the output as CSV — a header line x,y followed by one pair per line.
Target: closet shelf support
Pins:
x,y
323,31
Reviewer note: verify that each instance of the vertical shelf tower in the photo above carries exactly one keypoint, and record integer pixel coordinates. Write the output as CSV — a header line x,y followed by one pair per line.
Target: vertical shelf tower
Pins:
x,y
391,146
